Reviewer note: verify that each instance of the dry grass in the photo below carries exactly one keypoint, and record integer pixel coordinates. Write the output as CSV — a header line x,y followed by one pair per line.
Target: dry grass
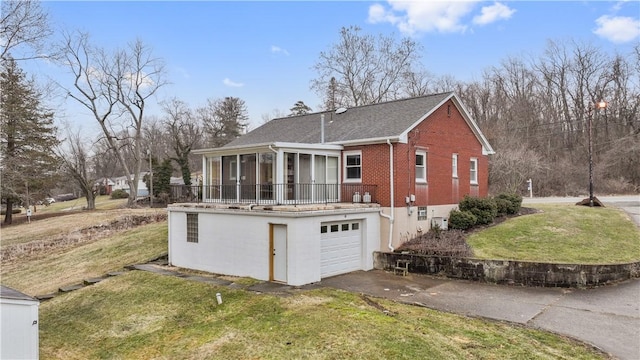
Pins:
x,y
69,223
38,275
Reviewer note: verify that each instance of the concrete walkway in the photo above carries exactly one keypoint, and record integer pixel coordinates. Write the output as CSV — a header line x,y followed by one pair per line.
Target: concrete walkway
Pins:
x,y
606,317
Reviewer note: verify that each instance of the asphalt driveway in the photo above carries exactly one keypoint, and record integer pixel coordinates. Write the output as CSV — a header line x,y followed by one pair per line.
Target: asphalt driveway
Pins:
x,y
606,317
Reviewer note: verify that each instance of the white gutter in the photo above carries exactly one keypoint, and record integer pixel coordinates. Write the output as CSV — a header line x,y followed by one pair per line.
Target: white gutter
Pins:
x,y
390,217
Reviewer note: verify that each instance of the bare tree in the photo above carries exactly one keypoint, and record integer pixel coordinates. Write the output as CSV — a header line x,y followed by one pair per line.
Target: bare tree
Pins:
x,y
184,132
24,24
115,87
275,114
366,69
78,165
546,102
511,168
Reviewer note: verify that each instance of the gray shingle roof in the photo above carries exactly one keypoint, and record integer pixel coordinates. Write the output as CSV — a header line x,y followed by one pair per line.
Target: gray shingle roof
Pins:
x,y
383,120
9,293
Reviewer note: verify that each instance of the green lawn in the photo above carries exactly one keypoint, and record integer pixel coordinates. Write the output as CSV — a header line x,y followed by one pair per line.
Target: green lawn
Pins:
x,y
562,234
141,315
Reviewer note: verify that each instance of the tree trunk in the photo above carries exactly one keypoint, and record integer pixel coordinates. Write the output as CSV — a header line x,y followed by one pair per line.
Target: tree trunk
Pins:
x,y
91,200
8,216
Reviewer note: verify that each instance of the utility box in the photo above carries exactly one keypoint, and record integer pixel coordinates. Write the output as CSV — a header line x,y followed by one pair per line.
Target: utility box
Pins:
x,y
440,222
18,325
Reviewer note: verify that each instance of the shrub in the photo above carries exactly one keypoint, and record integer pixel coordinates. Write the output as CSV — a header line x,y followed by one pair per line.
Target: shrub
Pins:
x,y
509,204
503,206
119,194
485,209
461,220
445,243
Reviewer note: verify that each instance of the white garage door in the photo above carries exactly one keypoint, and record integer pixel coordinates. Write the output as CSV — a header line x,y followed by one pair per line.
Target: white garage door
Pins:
x,y
340,247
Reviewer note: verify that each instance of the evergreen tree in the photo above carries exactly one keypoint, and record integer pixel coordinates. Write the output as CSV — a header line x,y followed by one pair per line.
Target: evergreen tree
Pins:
x,y
300,108
223,120
27,139
161,177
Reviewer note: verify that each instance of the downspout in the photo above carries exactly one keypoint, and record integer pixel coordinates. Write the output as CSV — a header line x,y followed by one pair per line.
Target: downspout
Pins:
x,y
390,217
321,128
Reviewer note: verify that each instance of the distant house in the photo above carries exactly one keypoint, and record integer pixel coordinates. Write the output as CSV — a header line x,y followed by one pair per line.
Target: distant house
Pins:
x,y
105,185
19,323
120,183
306,197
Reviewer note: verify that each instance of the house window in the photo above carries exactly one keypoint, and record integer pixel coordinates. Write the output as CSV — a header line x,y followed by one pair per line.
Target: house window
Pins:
x,y
422,213
473,175
421,166
233,170
353,166
454,165
192,228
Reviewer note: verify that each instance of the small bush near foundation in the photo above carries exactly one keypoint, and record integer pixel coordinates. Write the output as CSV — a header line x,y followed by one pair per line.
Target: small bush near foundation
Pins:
x,y
508,204
461,220
485,209
442,243
119,194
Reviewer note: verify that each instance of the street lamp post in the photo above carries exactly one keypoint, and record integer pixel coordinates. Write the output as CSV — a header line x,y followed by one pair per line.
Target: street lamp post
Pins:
x,y
601,105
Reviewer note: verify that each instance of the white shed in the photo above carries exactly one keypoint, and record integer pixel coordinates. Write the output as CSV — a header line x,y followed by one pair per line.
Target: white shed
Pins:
x,y
18,325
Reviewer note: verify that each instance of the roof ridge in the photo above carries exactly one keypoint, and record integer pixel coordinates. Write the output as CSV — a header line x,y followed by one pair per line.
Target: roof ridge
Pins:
x,y
365,105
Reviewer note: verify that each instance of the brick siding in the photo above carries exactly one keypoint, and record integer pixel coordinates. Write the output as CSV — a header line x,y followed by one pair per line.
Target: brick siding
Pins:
x,y
441,135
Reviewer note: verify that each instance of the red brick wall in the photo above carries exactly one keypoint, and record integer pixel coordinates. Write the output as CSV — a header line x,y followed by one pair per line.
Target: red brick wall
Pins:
x,y
440,135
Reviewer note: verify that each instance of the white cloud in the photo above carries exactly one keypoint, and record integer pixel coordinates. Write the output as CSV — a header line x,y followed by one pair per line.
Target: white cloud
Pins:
x,y
139,79
231,83
617,29
493,13
277,49
413,17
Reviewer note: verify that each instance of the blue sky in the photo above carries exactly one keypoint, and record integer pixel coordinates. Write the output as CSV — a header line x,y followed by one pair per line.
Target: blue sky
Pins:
x,y
263,51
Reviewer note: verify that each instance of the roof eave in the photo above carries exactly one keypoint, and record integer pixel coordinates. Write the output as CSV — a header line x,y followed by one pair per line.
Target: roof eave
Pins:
x,y
371,141
267,146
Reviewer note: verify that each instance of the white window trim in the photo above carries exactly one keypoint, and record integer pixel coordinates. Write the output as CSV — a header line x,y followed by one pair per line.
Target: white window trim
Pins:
x,y
344,166
424,156
471,179
454,166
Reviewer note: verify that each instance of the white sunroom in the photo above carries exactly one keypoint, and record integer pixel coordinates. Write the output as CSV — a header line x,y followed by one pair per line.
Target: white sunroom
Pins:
x,y
276,212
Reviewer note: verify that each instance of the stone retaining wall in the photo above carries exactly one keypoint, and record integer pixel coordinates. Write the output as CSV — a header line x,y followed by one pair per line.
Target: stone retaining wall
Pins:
x,y
512,272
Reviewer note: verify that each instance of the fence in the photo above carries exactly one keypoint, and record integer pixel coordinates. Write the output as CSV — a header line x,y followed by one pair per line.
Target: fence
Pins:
x,y
274,193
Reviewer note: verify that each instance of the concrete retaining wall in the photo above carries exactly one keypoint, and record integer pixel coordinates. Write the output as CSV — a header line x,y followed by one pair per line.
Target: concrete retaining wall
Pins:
x,y
512,272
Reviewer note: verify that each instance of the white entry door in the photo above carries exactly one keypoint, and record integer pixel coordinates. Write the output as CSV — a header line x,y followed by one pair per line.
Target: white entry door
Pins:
x,y
279,252
340,247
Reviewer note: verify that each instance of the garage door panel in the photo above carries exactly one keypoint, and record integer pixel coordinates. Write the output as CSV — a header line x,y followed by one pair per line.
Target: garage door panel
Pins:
x,y
341,251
